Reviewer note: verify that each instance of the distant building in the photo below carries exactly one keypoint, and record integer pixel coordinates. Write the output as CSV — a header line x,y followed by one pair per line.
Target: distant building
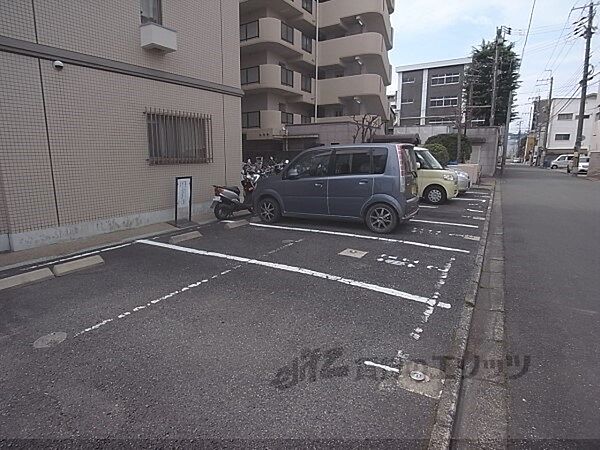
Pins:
x,y
562,130
429,93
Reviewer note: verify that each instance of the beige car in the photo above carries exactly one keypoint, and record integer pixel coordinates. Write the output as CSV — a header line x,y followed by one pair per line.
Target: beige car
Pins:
x,y
436,184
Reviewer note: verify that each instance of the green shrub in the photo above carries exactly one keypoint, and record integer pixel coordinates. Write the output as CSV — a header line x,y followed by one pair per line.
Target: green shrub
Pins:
x,y
439,152
450,142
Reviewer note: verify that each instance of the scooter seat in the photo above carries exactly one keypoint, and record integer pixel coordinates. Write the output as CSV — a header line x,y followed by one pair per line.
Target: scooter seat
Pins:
x,y
234,189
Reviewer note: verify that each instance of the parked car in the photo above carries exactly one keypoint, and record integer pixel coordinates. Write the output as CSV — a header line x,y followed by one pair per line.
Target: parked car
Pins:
x,y
436,184
517,161
464,180
584,164
374,183
562,162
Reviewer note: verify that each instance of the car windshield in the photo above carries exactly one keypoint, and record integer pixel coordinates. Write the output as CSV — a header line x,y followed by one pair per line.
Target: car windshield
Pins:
x,y
427,160
584,159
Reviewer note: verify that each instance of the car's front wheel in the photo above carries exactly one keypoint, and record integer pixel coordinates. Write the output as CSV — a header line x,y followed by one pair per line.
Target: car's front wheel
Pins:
x,y
554,166
435,195
381,218
269,210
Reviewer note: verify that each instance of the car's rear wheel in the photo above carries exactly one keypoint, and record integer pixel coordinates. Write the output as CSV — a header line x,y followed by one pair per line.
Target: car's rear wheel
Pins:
x,y
381,218
269,210
435,195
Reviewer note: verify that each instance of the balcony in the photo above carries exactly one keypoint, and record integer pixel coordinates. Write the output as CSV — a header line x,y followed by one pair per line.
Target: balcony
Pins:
x,y
155,36
270,80
373,14
368,90
369,47
291,10
269,39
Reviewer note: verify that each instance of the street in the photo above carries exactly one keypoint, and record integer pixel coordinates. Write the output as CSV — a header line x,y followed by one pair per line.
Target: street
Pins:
x,y
253,333
552,251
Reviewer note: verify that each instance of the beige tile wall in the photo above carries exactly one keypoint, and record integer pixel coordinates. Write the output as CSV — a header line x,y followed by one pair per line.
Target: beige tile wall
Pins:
x,y
110,29
24,159
96,121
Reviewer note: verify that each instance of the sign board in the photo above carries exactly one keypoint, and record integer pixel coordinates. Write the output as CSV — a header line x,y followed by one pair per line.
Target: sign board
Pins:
x,y
183,197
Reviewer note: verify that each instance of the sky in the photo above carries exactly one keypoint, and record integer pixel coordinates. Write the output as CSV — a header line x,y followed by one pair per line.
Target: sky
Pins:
x,y
431,30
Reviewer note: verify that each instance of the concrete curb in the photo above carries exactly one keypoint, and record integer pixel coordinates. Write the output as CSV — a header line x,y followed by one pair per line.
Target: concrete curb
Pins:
x,y
77,265
236,224
441,434
23,279
185,237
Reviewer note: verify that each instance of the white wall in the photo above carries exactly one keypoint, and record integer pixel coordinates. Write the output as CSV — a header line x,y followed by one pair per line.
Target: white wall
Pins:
x,y
571,106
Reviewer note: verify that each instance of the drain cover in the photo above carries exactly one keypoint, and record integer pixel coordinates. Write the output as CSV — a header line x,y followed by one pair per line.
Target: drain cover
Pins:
x,y
417,375
50,340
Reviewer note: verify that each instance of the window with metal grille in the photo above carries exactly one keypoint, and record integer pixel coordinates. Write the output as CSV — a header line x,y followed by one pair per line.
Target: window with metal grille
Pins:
x,y
305,120
306,83
287,118
249,30
151,11
287,33
562,137
408,79
176,137
250,75
566,116
287,76
251,119
307,43
308,5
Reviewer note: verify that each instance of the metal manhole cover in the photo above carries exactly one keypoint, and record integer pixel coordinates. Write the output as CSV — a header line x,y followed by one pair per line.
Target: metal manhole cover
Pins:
x,y
50,340
417,375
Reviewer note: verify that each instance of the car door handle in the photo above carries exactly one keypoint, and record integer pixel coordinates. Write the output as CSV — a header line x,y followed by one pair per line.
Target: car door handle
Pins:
x,y
319,184
363,181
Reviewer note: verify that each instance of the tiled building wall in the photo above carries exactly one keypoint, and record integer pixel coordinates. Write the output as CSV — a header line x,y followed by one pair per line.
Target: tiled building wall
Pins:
x,y
98,143
110,29
24,156
89,173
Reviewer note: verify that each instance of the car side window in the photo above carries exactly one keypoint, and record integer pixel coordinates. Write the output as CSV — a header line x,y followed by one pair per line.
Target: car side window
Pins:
x,y
352,162
312,164
379,160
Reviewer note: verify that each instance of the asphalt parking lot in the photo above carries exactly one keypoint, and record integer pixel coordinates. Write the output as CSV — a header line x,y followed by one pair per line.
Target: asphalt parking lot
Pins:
x,y
254,333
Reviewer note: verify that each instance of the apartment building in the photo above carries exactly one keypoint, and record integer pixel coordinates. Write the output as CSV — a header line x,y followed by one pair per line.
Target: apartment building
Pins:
x,y
562,129
429,93
301,57
105,104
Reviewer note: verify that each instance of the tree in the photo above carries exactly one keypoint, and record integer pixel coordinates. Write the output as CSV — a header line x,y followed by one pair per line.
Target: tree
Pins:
x,y
450,141
480,75
366,127
439,152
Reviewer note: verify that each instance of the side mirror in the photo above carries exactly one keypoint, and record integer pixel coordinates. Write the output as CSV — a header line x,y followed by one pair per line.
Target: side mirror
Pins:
x,y
287,161
418,165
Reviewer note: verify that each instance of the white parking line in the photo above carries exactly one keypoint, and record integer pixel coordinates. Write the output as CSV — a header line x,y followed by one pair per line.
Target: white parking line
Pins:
x,y
428,207
362,236
469,200
464,225
371,287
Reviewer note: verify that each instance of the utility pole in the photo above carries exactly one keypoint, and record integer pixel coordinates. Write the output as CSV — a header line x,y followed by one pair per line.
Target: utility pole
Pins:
x,y
468,112
495,75
548,116
587,33
316,61
506,130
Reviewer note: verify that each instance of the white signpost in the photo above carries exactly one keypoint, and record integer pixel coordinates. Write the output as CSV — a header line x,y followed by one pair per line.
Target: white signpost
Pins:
x,y
183,197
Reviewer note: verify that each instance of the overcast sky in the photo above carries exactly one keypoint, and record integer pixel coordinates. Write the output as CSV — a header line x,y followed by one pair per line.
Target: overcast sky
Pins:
x,y
430,30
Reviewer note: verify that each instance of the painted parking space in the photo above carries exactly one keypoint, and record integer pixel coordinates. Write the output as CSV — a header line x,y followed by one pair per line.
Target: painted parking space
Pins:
x,y
255,332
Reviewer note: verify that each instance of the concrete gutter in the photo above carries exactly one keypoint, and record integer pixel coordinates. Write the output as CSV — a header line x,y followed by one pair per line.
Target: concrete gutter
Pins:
x,y
441,434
